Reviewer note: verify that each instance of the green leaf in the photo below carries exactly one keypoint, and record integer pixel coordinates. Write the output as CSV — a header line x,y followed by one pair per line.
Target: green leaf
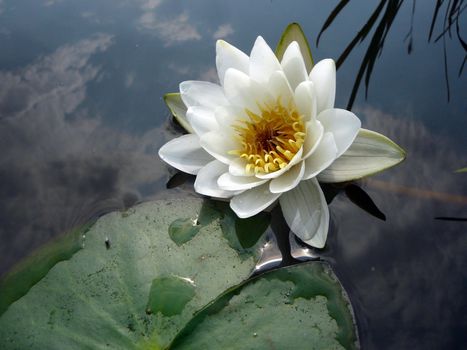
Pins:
x,y
131,286
294,32
461,170
178,110
28,272
298,307
369,154
183,230
242,234
169,295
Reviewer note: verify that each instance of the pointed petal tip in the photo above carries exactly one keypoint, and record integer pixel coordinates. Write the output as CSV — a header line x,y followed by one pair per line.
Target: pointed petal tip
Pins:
x,y
403,152
239,213
369,154
343,124
258,41
253,201
295,44
306,212
317,243
328,63
182,86
222,44
323,75
206,180
185,154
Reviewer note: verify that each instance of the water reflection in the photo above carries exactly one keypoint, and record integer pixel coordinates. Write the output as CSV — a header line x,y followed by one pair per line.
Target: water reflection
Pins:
x,y
61,166
270,255
173,30
394,270
379,24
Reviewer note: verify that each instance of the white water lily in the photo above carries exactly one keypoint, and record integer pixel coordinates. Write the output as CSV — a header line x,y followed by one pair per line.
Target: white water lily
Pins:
x,y
265,134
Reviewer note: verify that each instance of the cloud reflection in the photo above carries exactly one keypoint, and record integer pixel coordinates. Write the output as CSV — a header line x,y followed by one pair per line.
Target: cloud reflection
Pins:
x,y
223,31
60,166
171,30
51,2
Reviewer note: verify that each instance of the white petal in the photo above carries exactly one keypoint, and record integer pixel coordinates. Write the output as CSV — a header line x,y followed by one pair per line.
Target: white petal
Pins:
x,y
238,183
237,167
370,153
323,157
279,87
228,56
202,93
323,76
306,212
305,100
201,119
314,134
227,116
243,92
185,154
293,65
206,180
344,126
253,201
218,144
295,160
263,61
288,180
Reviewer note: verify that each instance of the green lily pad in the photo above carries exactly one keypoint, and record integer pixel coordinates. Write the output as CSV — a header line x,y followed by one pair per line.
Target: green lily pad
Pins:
x,y
131,286
298,307
28,272
294,32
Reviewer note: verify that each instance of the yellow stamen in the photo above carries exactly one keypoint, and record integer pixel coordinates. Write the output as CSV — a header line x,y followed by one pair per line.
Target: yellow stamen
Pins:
x,y
270,139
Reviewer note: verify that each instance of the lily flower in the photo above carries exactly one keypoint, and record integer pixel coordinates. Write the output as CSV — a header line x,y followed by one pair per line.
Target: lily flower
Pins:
x,y
269,131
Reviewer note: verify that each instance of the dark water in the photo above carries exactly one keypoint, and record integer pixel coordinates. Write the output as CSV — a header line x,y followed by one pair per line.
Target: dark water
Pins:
x,y
82,118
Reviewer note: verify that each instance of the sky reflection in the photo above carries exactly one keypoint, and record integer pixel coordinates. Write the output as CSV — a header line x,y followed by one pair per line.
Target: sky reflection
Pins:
x,y
406,274
60,165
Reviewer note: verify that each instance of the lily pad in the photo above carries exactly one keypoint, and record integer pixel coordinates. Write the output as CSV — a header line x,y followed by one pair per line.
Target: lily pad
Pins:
x,y
131,286
28,272
298,307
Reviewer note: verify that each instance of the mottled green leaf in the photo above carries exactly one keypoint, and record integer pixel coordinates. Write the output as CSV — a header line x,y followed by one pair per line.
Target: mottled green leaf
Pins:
x,y
169,295
27,273
183,230
131,286
298,307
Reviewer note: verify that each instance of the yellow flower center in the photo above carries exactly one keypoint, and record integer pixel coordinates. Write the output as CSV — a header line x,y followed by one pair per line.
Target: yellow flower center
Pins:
x,y
271,138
